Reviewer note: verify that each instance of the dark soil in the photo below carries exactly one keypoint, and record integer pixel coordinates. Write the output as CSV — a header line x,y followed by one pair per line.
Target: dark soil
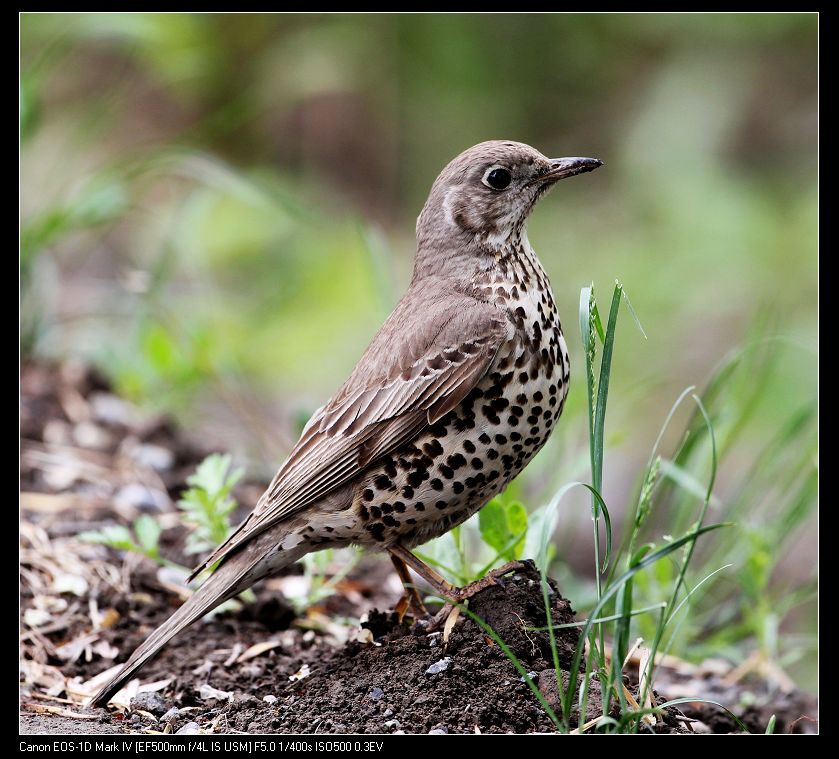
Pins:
x,y
389,683
416,683
89,460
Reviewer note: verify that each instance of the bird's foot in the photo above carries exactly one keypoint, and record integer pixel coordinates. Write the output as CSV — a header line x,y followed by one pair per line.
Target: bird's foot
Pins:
x,y
403,559
491,578
457,596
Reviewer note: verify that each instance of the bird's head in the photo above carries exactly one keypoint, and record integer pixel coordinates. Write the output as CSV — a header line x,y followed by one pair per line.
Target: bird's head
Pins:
x,y
484,195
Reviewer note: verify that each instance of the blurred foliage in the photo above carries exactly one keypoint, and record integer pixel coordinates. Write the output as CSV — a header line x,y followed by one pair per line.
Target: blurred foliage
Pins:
x,y
218,210
741,596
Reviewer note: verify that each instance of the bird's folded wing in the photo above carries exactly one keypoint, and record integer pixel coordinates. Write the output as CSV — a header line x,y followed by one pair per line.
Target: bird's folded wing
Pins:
x,y
423,362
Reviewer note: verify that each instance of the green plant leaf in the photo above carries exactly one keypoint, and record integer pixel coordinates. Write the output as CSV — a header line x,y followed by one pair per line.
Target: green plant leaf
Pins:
x,y
517,525
147,529
503,526
116,536
207,505
493,525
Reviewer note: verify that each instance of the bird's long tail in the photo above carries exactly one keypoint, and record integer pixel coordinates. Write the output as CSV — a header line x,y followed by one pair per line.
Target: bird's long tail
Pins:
x,y
232,577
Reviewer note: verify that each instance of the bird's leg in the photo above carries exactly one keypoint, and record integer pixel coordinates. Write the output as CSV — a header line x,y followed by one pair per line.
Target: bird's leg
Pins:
x,y
411,598
451,593
406,559
441,585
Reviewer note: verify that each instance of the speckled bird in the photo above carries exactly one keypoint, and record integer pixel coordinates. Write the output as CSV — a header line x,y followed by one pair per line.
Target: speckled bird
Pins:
x,y
456,393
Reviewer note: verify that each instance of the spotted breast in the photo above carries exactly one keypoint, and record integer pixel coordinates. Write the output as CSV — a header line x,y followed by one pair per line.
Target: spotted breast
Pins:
x,y
470,455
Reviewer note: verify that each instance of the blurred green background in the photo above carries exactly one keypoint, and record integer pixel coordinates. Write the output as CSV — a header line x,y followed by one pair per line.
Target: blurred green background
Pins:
x,y
218,210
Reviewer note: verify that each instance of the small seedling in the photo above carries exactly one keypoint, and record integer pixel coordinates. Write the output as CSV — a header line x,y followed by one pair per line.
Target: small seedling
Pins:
x,y
143,537
206,508
207,505
320,584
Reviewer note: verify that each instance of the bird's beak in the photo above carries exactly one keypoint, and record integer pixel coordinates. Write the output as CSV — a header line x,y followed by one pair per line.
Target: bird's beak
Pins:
x,y
561,168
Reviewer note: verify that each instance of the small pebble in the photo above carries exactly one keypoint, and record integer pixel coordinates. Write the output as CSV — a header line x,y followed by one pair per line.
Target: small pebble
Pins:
x,y
92,436
36,617
388,713
60,477
269,699
137,496
58,432
150,702
534,676
376,694
252,670
171,715
439,666
111,410
153,456
393,723
438,729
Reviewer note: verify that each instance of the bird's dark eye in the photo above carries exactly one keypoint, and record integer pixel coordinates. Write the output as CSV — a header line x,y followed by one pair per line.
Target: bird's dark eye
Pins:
x,y
498,179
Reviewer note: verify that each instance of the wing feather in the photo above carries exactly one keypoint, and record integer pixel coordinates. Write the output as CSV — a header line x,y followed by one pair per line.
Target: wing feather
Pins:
x,y
411,375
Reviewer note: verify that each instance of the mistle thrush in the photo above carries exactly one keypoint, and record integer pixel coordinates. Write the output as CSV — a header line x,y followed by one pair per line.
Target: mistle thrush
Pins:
x,y
454,396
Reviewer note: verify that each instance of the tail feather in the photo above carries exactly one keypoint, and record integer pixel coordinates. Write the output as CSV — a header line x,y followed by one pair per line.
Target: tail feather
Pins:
x,y
231,578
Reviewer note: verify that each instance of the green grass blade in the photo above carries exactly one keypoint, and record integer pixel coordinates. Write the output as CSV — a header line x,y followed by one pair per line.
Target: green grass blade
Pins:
x,y
693,700
612,591
554,650
553,505
694,589
602,620
632,312
603,388
691,545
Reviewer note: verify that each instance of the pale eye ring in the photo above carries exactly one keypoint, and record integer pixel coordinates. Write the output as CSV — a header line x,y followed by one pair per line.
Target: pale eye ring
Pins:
x,y
497,178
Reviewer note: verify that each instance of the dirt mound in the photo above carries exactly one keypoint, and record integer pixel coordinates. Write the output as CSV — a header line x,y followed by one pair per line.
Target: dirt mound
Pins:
x,y
414,682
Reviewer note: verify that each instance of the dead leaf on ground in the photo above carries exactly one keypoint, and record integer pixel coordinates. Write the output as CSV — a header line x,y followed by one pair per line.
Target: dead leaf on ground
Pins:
x,y
301,673
60,711
207,691
257,649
